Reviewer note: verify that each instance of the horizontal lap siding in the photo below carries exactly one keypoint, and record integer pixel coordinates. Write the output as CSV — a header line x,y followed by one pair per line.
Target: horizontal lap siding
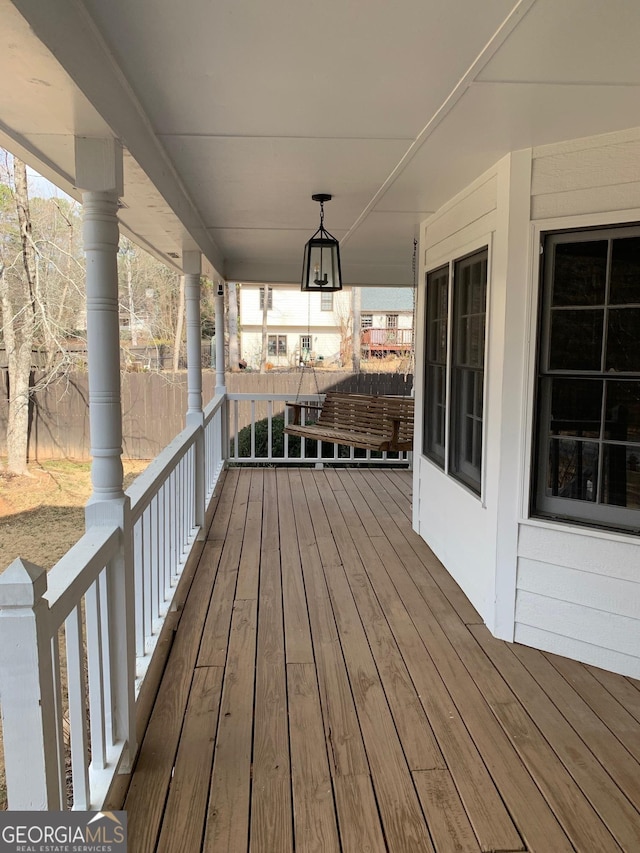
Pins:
x,y
578,592
586,178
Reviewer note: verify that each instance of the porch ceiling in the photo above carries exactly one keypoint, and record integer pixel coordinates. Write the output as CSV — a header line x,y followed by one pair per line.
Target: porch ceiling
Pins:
x,y
232,115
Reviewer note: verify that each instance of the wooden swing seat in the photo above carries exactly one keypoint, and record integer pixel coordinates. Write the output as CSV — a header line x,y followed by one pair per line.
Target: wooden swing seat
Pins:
x,y
369,421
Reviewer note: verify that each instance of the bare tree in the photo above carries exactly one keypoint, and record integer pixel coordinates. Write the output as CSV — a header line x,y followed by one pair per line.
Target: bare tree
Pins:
x,y
232,323
265,319
177,341
18,325
356,328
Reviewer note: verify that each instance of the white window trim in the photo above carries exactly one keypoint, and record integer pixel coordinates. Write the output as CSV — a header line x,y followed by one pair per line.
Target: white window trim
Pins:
x,y
448,259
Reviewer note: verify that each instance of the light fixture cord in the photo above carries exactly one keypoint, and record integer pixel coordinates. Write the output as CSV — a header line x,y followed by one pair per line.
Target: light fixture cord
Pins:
x,y
321,214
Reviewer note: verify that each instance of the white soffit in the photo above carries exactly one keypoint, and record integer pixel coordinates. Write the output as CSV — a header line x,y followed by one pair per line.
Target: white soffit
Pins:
x,y
573,41
505,118
235,113
295,68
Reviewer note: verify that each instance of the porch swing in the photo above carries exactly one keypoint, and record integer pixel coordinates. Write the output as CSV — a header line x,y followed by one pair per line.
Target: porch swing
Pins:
x,y
368,421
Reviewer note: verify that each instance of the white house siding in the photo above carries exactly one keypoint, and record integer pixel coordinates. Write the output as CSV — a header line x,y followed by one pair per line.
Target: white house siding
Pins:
x,y
459,526
326,344
379,319
294,313
559,587
578,592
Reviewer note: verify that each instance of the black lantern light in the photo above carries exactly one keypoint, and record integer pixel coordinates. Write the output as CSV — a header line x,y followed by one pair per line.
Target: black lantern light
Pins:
x,y
321,264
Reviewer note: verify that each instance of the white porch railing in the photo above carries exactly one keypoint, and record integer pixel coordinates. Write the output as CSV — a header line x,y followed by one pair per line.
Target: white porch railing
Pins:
x,y
68,723
68,709
255,426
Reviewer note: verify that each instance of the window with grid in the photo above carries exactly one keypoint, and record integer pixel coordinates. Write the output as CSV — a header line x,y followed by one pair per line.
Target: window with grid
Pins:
x,y
269,298
435,396
277,344
467,369
454,367
587,462
392,321
326,301
305,344
366,321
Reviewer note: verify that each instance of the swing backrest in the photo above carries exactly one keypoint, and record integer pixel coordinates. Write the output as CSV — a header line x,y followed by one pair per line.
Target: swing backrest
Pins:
x,y
370,414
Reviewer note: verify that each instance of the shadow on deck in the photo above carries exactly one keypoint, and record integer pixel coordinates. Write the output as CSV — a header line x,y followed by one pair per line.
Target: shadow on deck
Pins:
x,y
330,688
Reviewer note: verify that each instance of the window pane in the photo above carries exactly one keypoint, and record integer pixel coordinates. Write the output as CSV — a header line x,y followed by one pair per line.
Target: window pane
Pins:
x,y
625,271
435,415
576,406
282,344
436,364
576,340
623,339
588,442
573,469
621,476
437,310
623,411
326,301
271,345
580,273
469,305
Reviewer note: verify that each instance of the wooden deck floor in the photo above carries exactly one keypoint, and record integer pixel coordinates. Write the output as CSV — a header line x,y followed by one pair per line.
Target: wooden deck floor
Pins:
x,y
330,688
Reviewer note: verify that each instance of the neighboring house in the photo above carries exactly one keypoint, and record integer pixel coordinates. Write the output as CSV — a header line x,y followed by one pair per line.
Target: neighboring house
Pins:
x,y
527,474
386,320
301,326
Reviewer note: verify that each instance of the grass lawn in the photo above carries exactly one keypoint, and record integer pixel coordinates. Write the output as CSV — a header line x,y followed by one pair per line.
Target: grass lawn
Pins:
x,y
42,516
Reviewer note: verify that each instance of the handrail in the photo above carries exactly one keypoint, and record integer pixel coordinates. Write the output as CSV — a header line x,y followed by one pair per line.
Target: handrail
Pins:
x,y
142,490
74,573
109,595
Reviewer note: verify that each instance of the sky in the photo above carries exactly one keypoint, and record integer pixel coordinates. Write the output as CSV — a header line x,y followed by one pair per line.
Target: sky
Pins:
x,y
39,187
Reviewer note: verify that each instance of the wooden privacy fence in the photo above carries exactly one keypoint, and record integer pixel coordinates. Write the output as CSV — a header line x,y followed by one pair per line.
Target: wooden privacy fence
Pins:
x,y
154,406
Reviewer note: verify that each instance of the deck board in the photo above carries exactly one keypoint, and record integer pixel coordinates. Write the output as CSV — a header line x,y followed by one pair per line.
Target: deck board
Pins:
x,y
330,688
271,810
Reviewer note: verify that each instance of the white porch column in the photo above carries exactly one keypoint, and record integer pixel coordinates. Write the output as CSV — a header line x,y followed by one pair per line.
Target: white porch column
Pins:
x,y
99,174
219,322
195,417
192,270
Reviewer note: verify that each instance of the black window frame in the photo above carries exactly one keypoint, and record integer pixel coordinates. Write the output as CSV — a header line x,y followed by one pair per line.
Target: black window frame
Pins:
x,y
466,410
582,452
434,440
448,375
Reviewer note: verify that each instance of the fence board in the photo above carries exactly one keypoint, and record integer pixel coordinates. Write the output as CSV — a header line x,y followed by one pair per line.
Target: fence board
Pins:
x,y
154,405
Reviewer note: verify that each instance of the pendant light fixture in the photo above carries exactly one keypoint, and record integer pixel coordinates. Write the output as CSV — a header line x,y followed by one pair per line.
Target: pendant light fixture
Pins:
x,y
321,264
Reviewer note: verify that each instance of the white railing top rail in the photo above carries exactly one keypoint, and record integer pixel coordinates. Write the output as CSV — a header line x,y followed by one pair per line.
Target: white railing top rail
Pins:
x,y
252,395
74,573
146,485
214,406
